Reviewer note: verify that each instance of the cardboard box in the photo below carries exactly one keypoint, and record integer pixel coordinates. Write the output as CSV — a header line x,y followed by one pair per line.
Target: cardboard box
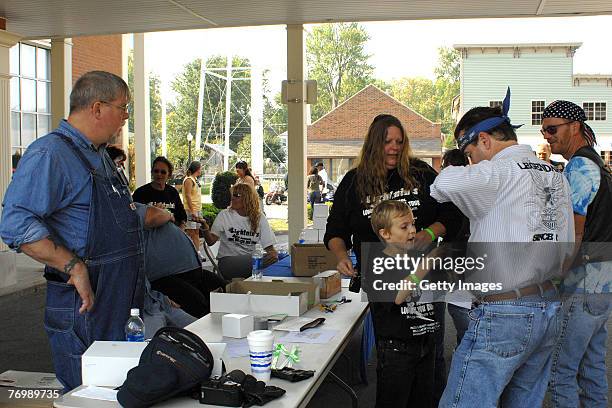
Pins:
x,y
310,259
320,210
328,282
236,325
319,223
106,363
289,283
262,299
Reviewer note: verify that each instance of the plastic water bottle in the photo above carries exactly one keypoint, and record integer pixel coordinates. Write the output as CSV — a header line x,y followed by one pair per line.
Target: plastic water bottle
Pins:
x,y
134,328
302,238
257,262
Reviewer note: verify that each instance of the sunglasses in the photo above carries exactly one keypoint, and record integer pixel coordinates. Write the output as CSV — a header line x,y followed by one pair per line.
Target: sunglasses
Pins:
x,y
160,171
237,195
552,129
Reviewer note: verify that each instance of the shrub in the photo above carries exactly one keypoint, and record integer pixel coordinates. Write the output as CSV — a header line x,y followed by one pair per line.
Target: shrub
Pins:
x,y
220,192
209,213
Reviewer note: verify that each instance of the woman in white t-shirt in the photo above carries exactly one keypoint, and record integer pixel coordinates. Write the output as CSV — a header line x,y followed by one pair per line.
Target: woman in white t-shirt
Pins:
x,y
241,226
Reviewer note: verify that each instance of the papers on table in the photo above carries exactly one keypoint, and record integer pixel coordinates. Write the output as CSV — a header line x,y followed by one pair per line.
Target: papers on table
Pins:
x,y
294,325
99,393
26,379
310,336
236,347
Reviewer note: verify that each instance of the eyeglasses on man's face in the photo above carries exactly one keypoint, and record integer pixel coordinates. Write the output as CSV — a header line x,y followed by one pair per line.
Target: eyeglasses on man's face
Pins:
x,y
552,129
160,171
127,108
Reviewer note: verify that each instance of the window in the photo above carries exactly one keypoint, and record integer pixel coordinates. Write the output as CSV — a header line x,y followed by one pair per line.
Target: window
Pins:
x,y
537,108
30,95
606,156
594,110
495,104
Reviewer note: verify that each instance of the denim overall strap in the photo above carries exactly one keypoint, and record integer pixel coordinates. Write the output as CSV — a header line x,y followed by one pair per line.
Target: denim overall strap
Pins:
x,y
114,259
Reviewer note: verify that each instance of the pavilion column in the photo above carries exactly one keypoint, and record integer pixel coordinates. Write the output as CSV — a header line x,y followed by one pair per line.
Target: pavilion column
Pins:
x,y
125,133
142,129
296,130
61,79
8,271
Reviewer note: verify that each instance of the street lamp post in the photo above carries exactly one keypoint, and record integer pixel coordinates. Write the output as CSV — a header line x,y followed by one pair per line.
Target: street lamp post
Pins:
x,y
189,140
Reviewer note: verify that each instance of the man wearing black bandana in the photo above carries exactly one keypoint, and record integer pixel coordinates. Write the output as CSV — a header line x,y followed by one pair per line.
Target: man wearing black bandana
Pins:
x,y
515,203
580,352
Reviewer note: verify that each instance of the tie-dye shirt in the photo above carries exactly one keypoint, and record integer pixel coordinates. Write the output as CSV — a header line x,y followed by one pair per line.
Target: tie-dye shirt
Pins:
x,y
584,178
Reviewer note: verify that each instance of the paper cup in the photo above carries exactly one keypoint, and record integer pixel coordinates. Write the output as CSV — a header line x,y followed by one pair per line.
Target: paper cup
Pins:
x,y
260,351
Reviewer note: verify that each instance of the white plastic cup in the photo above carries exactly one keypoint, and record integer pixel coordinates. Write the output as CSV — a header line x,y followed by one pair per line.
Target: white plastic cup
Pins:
x,y
260,351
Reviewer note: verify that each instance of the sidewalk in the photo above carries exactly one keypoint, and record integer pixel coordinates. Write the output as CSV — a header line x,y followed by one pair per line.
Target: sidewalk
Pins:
x,y
29,276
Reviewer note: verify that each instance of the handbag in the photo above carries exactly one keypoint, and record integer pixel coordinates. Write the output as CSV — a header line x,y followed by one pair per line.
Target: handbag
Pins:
x,y
174,362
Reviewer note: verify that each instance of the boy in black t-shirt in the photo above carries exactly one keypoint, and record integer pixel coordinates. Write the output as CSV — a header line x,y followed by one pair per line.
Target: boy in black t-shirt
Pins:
x,y
404,332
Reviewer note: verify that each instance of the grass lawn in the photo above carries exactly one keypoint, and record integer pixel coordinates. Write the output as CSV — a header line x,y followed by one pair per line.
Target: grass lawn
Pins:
x,y
279,226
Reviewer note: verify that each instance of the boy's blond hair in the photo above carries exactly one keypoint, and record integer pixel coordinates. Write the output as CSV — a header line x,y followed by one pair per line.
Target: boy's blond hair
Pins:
x,y
384,213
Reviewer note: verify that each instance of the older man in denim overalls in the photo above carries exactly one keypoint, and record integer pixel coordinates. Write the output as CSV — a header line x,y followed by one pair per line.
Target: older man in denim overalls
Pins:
x,y
67,208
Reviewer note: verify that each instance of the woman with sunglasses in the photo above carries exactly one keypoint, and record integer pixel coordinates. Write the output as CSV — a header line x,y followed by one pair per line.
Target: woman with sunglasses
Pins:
x,y
159,194
240,227
244,174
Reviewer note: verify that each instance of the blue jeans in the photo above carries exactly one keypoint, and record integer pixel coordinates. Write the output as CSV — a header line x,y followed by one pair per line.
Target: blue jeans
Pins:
x,y
579,359
505,355
461,320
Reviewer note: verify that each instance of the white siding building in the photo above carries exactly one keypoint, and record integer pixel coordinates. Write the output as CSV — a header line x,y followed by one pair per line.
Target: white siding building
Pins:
x,y
537,75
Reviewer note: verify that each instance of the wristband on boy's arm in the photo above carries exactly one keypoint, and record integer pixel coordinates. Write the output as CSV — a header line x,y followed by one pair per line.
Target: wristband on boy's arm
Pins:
x,y
431,233
415,278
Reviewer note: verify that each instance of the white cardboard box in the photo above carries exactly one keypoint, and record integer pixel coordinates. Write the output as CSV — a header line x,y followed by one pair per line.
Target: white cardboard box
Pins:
x,y
237,300
237,325
319,223
106,363
320,210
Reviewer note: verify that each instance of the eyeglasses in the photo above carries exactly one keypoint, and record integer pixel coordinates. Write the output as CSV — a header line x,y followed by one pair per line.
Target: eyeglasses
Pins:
x,y
552,129
127,108
160,171
237,195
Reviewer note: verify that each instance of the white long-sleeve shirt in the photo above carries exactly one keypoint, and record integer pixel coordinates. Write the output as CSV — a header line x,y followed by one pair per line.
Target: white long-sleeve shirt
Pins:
x,y
520,203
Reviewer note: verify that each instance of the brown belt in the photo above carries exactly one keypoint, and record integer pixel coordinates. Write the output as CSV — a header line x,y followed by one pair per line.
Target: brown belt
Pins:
x,y
536,289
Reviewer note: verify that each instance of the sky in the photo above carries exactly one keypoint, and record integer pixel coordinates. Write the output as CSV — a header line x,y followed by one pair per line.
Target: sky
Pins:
x,y
397,49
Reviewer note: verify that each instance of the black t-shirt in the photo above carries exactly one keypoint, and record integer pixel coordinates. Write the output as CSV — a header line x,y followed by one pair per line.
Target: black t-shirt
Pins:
x,y
169,197
350,220
397,322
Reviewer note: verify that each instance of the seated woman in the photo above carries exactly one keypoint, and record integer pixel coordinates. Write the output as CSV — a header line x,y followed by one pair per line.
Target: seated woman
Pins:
x,y
240,227
161,195
177,273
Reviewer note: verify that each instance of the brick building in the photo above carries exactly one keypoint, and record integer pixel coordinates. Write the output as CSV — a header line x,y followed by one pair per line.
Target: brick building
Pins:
x,y
336,138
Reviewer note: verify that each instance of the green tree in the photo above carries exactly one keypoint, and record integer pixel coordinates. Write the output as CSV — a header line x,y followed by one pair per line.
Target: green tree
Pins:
x,y
338,62
449,65
433,99
182,116
273,148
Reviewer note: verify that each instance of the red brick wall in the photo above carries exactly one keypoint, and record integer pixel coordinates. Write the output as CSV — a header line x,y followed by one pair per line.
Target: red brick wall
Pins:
x,y
102,52
352,119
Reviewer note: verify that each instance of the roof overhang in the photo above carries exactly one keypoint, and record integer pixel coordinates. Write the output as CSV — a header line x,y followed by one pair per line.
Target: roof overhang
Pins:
x,y
69,18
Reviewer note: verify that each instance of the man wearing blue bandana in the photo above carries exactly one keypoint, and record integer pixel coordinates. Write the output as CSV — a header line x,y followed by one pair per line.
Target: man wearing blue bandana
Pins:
x,y
520,212
579,364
